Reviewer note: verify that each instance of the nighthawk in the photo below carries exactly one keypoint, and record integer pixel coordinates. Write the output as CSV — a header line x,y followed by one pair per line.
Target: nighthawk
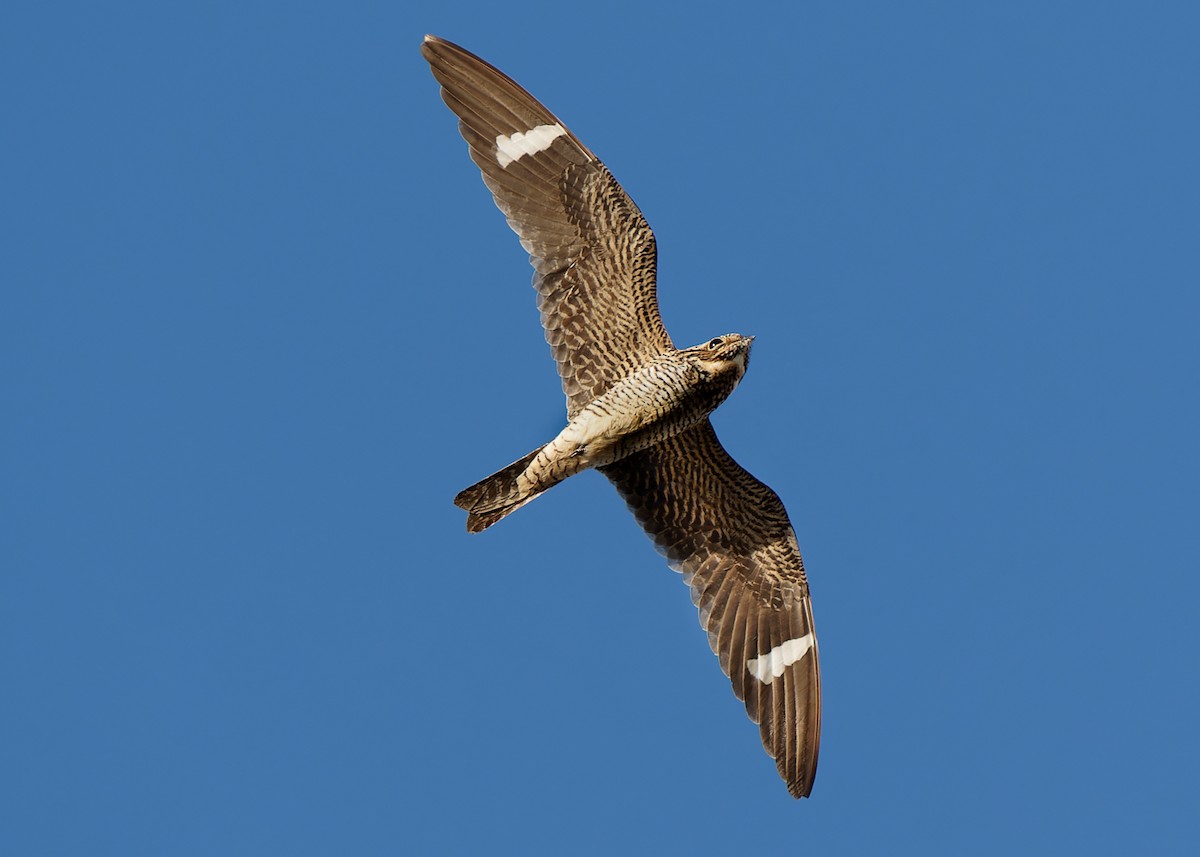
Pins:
x,y
637,407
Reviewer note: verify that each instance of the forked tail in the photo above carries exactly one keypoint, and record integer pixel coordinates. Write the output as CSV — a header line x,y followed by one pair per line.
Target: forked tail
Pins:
x,y
500,494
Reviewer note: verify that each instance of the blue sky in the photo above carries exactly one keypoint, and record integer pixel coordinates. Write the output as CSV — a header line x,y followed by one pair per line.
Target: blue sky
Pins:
x,y
260,321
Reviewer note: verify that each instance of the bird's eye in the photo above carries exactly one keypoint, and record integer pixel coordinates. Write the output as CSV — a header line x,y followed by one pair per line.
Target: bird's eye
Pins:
x,y
715,343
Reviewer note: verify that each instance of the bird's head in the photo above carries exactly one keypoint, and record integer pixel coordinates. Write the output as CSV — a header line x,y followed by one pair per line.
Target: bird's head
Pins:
x,y
724,354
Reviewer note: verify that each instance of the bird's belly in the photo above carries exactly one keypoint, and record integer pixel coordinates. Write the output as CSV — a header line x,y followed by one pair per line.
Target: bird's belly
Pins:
x,y
653,404
622,422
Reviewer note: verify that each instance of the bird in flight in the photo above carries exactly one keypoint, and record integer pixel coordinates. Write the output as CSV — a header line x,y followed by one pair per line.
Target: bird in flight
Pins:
x,y
637,407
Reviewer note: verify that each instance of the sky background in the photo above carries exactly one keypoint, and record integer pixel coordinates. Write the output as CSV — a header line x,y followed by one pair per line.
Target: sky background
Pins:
x,y
260,321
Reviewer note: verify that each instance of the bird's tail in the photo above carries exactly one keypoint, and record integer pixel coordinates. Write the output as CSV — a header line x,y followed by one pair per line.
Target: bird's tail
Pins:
x,y
500,494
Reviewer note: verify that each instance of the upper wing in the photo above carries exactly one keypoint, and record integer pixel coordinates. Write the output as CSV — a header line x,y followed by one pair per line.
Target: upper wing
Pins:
x,y
730,536
593,254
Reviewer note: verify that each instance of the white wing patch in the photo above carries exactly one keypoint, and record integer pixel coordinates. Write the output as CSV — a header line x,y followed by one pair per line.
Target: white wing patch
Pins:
x,y
520,144
770,666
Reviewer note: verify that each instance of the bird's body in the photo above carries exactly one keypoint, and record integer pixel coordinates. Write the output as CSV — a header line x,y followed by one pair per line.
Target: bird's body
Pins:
x,y
638,408
674,391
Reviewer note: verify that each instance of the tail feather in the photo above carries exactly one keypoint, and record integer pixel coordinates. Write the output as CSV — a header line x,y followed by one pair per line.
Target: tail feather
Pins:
x,y
497,496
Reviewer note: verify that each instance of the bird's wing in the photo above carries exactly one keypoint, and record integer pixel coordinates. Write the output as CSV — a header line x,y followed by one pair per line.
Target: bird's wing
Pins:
x,y
592,252
730,536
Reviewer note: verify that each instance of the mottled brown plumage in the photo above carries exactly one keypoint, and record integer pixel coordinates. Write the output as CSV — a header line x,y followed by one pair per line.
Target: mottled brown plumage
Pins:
x,y
638,408
730,536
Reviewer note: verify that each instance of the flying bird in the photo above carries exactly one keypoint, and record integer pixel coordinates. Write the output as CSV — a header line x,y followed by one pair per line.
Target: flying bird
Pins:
x,y
638,407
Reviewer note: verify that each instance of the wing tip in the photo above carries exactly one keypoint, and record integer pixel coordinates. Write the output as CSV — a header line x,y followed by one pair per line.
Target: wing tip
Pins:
x,y
799,790
431,45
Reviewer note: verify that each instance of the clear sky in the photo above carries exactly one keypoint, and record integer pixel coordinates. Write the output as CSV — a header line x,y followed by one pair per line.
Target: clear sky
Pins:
x,y
260,321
